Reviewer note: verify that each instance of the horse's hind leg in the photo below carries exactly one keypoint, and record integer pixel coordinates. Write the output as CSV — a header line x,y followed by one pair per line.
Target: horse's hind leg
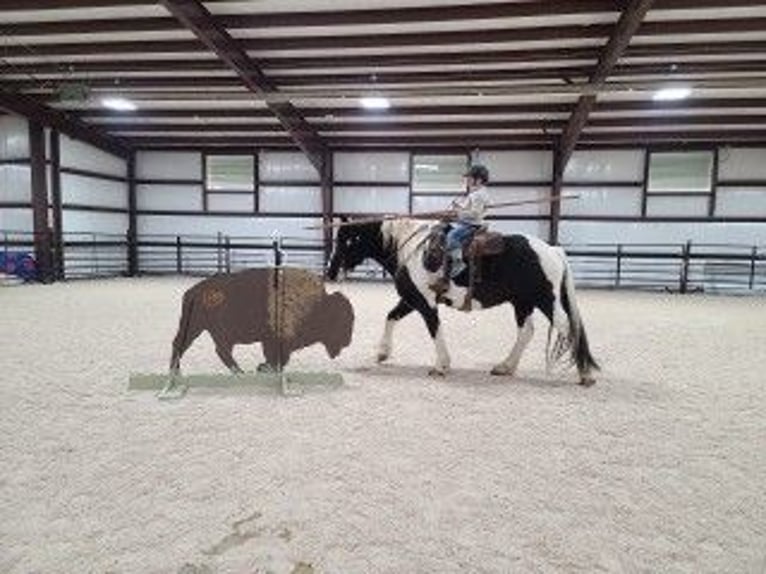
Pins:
x,y
523,337
401,310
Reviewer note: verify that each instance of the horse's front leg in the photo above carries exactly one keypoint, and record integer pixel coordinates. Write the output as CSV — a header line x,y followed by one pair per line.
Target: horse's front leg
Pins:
x,y
431,317
401,310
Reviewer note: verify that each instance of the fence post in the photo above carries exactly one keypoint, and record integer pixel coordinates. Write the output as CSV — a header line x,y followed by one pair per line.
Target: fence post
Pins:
x,y
753,257
58,257
219,253
95,251
227,246
617,279
686,250
179,266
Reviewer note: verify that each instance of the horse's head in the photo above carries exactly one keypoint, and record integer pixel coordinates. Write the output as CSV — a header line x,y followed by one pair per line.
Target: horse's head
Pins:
x,y
354,244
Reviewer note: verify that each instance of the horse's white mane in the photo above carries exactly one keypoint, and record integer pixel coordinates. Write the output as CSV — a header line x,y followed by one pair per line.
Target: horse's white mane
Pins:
x,y
406,235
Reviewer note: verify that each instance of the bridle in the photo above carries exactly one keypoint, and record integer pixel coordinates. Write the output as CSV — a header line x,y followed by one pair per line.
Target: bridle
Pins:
x,y
410,237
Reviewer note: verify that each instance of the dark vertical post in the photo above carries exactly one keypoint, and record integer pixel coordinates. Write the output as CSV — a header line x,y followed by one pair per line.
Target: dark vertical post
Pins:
x,y
179,266
42,235
683,285
753,258
228,255
645,188
326,176
713,185
219,253
412,173
256,183
204,181
58,230
556,186
132,216
619,266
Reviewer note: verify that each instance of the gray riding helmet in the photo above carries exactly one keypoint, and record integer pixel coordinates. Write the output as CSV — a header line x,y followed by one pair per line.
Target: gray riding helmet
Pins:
x,y
479,172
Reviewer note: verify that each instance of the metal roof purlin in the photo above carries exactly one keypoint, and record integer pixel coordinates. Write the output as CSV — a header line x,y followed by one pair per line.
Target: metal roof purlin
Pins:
x,y
194,16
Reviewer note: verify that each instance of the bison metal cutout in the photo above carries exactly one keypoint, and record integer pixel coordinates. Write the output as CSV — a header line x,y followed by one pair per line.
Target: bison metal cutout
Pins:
x,y
285,309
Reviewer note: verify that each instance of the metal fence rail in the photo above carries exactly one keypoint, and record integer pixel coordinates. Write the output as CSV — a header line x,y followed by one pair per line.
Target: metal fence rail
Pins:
x,y
686,267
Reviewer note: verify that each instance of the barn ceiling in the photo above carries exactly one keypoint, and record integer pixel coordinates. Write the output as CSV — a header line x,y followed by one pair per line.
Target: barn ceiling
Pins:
x,y
457,73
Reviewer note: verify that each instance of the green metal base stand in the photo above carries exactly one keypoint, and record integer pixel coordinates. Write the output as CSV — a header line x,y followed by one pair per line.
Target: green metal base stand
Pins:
x,y
286,383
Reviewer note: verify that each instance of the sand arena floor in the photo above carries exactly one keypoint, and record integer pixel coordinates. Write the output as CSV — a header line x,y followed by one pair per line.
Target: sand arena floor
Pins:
x,y
661,467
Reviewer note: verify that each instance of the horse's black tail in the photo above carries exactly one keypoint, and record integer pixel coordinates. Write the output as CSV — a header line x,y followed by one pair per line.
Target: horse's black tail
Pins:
x,y
577,341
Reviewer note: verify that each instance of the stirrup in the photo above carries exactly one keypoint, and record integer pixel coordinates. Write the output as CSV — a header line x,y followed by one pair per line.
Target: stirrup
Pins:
x,y
440,286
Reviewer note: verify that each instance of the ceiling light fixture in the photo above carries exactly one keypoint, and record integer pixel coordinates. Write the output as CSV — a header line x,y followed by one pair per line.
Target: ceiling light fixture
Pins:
x,y
119,104
672,94
375,103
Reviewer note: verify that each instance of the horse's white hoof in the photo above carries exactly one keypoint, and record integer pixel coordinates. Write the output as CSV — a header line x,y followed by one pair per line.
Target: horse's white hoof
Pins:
x,y
502,370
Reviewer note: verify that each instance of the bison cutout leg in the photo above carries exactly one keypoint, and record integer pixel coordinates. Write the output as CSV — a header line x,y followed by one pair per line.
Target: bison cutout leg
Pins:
x,y
223,349
276,358
523,337
401,310
187,334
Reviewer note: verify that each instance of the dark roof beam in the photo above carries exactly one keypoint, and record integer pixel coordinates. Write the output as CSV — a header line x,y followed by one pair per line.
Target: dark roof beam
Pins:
x,y
194,16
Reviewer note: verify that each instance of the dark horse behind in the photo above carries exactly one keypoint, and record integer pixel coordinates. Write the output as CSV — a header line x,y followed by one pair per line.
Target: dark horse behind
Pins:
x,y
526,272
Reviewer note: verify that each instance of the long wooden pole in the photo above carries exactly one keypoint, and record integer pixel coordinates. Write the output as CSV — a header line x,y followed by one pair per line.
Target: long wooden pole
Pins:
x,y
437,214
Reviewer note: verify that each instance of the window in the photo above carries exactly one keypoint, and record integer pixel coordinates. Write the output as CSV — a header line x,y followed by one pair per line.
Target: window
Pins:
x,y
438,173
230,173
680,172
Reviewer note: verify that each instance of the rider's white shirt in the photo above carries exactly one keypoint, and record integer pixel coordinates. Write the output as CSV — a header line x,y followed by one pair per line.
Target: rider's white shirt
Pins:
x,y
472,207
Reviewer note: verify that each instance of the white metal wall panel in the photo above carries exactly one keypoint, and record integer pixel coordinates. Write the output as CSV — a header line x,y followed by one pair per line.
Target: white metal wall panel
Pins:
x,y
509,194
243,202
741,163
371,199
741,202
92,191
168,165
694,206
275,199
603,201
605,165
14,137
81,155
16,220
526,227
76,221
518,165
427,203
292,228
661,232
279,166
169,197
422,204
261,227
371,166
15,183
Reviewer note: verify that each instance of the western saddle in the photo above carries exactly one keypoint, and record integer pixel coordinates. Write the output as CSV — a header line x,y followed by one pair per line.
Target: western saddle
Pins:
x,y
480,244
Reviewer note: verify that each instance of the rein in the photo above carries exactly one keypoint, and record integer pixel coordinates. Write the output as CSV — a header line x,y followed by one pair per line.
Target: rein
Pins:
x,y
417,246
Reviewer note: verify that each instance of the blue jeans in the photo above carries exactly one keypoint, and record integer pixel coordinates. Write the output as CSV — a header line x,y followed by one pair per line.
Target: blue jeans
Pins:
x,y
458,234
454,244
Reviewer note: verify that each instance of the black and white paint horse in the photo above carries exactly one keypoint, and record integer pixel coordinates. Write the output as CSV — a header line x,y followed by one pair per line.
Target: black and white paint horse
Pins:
x,y
528,273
